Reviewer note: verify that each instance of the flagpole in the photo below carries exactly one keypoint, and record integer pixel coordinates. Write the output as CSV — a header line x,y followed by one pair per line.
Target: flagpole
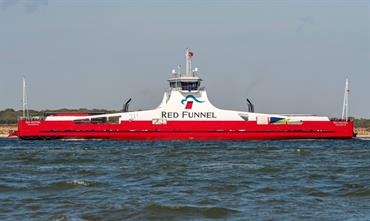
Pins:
x,y
345,102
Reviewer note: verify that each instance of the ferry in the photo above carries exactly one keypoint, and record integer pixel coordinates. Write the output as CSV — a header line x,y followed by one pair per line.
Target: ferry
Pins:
x,y
185,113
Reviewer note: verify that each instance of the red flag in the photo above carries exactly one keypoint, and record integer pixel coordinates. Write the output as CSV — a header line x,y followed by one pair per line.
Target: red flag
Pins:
x,y
190,54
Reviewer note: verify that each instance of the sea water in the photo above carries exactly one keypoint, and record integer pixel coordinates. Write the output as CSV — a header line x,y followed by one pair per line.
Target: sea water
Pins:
x,y
177,180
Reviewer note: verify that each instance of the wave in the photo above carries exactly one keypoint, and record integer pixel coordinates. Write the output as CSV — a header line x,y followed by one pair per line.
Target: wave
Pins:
x,y
230,166
315,192
354,190
70,184
4,188
362,138
159,211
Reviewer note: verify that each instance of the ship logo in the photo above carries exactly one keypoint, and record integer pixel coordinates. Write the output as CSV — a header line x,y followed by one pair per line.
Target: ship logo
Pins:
x,y
189,100
278,120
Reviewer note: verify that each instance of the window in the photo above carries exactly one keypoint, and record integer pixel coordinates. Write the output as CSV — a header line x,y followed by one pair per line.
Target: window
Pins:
x,y
189,86
172,84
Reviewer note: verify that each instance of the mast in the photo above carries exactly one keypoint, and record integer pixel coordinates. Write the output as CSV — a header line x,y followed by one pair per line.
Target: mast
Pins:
x,y
24,99
188,56
188,81
345,102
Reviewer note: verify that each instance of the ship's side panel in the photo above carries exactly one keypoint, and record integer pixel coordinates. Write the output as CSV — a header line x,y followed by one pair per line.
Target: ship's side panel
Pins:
x,y
180,130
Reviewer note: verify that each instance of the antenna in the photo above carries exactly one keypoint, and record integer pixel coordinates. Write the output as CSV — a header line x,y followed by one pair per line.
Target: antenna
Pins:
x,y
179,69
345,102
24,99
188,56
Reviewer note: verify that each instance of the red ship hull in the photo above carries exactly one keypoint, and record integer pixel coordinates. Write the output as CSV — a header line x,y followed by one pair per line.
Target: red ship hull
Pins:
x,y
184,130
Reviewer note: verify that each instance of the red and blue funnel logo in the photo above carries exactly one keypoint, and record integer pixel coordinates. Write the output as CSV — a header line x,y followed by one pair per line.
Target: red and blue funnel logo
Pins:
x,y
189,100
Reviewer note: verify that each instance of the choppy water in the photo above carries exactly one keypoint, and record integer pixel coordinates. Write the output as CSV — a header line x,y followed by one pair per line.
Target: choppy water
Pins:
x,y
121,180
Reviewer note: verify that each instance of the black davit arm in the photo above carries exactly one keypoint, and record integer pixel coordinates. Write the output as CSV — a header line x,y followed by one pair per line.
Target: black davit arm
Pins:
x,y
125,105
250,106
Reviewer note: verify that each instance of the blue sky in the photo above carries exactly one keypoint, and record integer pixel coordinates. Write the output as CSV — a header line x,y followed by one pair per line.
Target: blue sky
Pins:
x,y
287,56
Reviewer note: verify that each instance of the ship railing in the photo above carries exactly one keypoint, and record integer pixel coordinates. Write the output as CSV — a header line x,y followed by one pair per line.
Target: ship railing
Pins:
x,y
179,75
339,119
298,115
34,118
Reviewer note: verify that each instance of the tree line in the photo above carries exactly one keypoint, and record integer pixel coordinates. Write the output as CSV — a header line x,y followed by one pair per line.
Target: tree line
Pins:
x,y
11,116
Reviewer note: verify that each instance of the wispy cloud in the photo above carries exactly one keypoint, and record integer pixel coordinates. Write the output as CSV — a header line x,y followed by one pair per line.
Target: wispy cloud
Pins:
x,y
8,3
29,5
303,22
34,5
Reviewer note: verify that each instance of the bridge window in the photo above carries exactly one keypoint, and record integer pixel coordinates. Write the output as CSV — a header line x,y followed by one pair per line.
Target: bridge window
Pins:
x,y
189,86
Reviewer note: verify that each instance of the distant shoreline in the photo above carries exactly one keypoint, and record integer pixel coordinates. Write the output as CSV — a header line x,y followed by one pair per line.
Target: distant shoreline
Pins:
x,y
6,128
363,136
